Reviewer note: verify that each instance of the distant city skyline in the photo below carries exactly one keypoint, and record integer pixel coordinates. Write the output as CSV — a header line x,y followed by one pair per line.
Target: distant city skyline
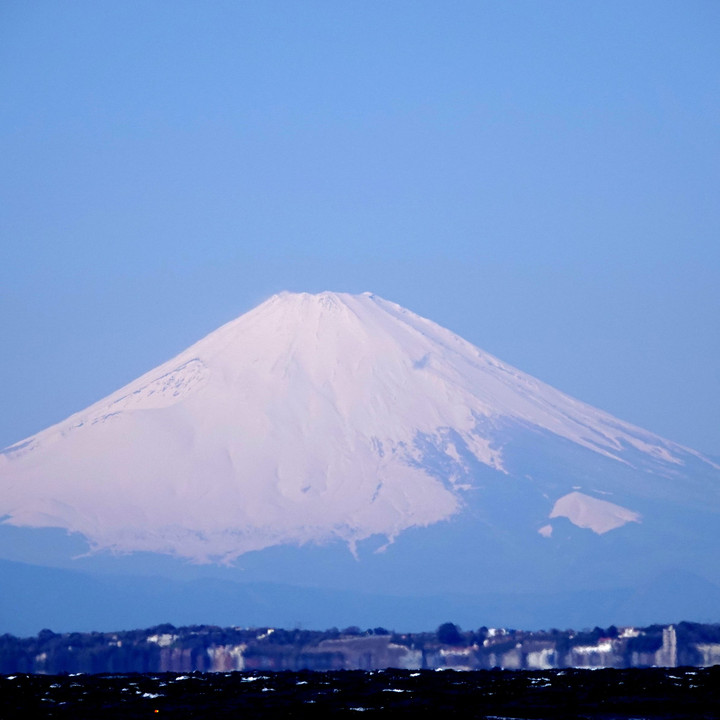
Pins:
x,y
540,178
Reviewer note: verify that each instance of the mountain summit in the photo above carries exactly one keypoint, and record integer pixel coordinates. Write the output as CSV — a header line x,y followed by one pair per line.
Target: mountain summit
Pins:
x,y
333,417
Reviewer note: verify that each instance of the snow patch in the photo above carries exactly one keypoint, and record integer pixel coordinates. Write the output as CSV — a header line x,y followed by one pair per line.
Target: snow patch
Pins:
x,y
585,511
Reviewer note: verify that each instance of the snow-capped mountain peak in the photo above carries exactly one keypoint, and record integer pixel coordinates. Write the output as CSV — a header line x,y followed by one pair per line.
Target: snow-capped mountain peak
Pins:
x,y
310,418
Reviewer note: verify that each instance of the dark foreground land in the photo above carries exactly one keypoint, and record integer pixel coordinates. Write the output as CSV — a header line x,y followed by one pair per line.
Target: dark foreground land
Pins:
x,y
649,694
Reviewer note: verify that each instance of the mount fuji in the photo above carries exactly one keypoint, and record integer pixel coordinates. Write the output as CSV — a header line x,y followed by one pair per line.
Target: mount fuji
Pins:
x,y
366,463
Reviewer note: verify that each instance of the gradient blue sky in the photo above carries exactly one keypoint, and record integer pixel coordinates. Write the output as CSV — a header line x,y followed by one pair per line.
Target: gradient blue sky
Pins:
x,y
541,177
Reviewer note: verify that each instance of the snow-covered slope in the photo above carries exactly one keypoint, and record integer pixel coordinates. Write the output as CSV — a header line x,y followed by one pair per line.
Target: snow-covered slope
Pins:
x,y
314,418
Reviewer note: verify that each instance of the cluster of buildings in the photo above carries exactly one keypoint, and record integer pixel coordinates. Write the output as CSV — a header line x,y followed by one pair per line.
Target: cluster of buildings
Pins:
x,y
501,648
213,649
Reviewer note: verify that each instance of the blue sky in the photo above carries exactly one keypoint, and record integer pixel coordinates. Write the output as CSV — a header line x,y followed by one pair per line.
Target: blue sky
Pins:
x,y
540,177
